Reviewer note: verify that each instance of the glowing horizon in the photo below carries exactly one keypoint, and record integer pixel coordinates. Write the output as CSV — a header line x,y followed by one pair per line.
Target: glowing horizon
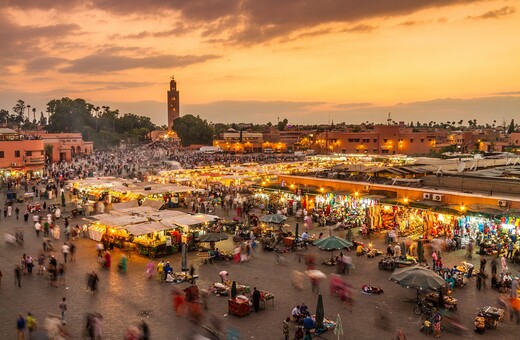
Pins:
x,y
256,60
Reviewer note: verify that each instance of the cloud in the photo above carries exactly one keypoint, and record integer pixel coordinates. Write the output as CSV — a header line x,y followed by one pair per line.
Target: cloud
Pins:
x,y
351,105
268,19
18,42
179,29
409,23
43,64
361,28
495,14
104,63
508,93
116,85
247,21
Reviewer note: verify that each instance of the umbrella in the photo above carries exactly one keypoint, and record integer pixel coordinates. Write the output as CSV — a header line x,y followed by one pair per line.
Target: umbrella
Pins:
x,y
234,290
418,277
213,237
320,313
338,330
273,218
333,243
349,234
184,257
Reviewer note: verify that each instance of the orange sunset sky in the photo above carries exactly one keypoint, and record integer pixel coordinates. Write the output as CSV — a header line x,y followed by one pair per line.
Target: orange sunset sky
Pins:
x,y
263,60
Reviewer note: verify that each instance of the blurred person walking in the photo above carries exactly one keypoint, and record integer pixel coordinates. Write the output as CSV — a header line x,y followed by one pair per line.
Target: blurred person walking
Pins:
x,y
21,324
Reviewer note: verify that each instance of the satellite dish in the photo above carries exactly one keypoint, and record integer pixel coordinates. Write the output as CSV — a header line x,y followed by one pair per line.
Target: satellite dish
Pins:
x,y
461,167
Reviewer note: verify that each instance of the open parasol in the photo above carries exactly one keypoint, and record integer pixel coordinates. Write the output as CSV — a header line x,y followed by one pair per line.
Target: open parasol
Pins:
x,y
333,243
213,237
273,218
419,278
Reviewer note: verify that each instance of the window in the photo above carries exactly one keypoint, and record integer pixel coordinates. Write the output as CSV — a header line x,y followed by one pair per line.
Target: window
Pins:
x,y
385,140
28,153
366,140
1,154
411,140
384,151
375,140
422,140
17,153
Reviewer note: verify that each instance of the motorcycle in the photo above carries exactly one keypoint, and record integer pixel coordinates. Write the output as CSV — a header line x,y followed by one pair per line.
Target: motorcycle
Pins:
x,y
424,307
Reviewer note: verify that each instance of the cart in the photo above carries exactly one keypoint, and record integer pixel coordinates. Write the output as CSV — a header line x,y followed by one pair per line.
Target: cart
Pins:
x,y
449,302
206,257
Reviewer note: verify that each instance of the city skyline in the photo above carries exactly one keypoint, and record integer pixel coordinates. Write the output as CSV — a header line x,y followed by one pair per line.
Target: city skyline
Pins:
x,y
259,61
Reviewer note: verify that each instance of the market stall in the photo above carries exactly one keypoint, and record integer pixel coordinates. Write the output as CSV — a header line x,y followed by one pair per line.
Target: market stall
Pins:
x,y
153,239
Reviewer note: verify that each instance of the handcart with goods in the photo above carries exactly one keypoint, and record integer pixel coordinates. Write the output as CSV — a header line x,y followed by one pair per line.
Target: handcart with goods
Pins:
x,y
488,318
450,303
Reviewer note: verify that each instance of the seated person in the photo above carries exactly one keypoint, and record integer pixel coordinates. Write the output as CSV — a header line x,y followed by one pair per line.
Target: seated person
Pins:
x,y
216,253
296,314
304,310
169,278
308,323
455,271
167,268
305,236
494,282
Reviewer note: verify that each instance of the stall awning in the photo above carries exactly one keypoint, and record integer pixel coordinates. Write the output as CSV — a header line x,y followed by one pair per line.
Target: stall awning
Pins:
x,y
125,205
424,204
190,220
145,228
447,209
119,220
485,209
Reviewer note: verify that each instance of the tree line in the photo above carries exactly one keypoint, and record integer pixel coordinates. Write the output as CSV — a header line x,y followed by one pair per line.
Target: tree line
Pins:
x,y
102,125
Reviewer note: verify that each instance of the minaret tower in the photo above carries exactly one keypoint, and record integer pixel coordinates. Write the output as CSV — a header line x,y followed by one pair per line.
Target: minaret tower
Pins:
x,y
173,103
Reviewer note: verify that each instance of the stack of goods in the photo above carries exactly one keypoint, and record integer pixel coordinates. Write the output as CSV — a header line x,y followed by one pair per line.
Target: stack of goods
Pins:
x,y
224,289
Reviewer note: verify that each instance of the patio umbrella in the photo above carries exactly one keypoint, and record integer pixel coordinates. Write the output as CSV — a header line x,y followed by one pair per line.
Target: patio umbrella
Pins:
x,y
349,234
234,290
213,237
273,218
320,313
419,278
333,243
338,330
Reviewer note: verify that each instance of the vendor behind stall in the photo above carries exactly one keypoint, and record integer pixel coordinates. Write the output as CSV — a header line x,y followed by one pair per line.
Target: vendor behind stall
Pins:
x,y
296,314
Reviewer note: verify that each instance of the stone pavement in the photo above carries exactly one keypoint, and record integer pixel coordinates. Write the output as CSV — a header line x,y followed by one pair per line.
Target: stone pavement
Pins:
x,y
123,299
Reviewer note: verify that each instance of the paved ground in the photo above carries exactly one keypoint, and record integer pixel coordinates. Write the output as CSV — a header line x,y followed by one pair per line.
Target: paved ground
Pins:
x,y
122,297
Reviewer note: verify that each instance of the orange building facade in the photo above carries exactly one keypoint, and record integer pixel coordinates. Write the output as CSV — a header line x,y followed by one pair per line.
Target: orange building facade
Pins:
x,y
20,155
64,146
383,139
